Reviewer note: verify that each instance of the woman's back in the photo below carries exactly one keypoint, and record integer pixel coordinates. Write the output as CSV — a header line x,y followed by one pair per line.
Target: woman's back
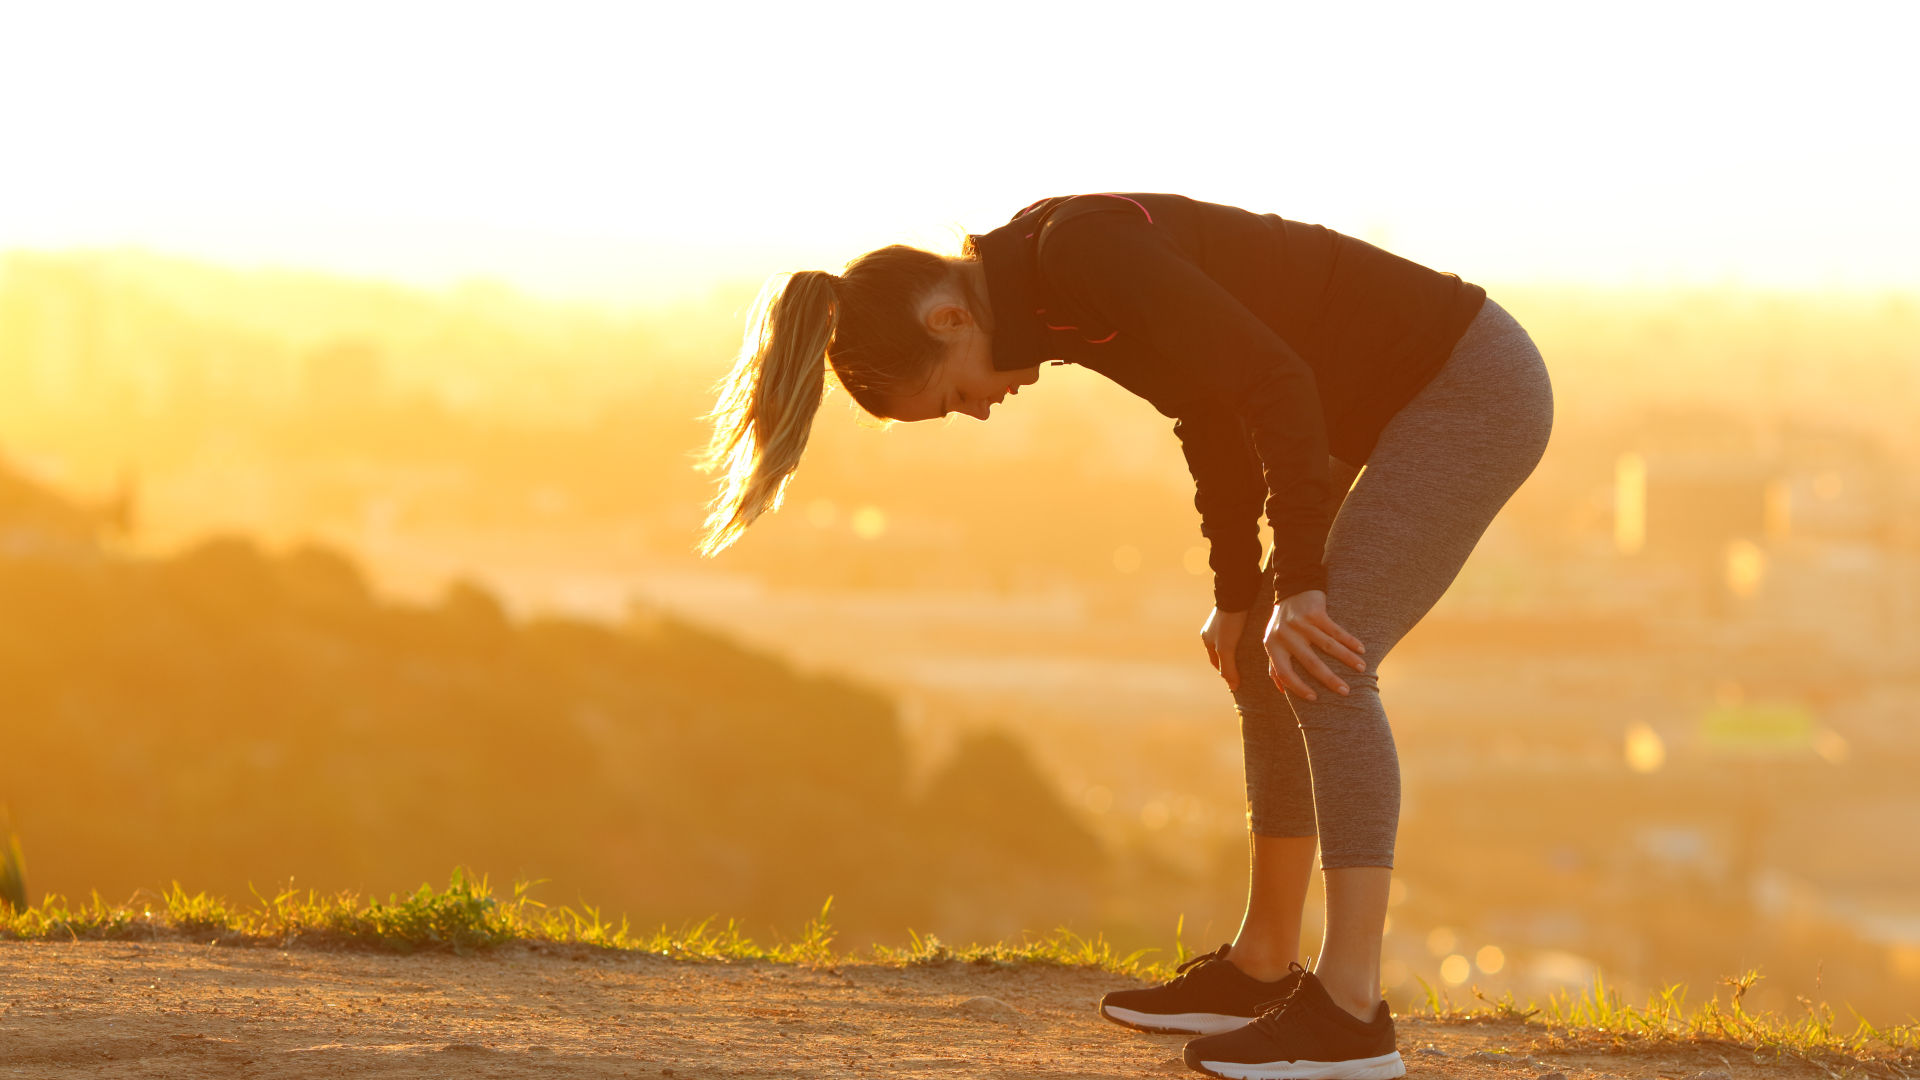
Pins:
x,y
1372,326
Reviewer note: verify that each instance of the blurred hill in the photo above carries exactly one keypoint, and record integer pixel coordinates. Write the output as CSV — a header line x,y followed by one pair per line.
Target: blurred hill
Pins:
x,y
232,717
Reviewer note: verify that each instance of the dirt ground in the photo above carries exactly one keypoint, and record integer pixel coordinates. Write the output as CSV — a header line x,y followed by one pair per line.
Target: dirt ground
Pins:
x,y
120,1009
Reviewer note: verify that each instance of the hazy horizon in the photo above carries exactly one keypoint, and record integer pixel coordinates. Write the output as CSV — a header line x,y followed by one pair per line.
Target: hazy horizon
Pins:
x,y
736,282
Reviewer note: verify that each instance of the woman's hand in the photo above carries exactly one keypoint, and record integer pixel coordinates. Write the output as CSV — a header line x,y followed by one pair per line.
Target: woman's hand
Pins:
x,y
1299,623
1221,635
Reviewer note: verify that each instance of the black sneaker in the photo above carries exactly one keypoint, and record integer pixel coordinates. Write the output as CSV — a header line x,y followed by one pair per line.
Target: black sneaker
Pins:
x,y
1306,1037
1207,994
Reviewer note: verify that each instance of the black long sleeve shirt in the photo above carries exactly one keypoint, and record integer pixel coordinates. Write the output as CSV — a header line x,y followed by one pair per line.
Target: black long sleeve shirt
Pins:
x,y
1273,344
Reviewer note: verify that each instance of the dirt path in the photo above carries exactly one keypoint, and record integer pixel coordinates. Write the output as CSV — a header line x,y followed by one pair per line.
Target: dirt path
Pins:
x,y
120,1009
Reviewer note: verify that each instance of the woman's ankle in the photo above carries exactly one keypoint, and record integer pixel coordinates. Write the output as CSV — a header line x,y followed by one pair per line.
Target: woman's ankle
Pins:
x,y
1264,962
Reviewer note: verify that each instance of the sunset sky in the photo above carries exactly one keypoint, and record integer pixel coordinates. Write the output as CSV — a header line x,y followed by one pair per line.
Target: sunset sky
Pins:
x,y
639,152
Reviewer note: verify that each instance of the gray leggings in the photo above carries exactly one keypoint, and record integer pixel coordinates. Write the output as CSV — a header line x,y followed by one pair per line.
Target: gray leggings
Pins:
x,y
1444,466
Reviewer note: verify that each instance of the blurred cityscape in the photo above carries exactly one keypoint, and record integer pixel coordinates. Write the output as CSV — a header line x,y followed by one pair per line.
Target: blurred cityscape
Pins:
x,y
1662,727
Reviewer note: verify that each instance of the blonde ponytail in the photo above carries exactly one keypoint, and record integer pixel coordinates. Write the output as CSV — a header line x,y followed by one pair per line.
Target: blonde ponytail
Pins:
x,y
880,352
767,402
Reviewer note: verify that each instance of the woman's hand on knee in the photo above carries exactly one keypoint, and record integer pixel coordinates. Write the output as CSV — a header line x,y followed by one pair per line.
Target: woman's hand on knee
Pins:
x,y
1299,624
1221,636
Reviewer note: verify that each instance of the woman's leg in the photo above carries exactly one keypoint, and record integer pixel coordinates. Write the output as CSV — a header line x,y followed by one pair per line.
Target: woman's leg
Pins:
x,y
1281,836
1443,467
1269,938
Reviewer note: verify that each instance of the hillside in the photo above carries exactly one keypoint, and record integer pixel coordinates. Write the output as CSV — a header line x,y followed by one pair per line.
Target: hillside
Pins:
x,y
237,717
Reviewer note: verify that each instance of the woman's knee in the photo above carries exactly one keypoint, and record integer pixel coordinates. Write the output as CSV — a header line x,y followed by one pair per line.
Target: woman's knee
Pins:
x,y
1358,713
1256,698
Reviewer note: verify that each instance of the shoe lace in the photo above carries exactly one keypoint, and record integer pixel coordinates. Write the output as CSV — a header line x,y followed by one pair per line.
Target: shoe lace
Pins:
x,y
1270,1011
1181,972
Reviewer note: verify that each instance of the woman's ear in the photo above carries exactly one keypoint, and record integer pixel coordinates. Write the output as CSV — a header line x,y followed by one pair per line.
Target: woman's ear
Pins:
x,y
948,318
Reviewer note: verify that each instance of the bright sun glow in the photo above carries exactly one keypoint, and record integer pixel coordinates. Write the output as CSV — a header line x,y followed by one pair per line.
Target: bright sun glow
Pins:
x,y
623,151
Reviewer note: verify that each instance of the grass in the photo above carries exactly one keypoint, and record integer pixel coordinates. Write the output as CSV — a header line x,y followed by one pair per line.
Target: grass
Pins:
x,y
466,917
1598,1014
13,873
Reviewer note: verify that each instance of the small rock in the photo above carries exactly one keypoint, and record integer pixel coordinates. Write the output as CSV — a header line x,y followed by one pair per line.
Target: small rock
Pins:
x,y
1488,1055
1432,1051
989,1008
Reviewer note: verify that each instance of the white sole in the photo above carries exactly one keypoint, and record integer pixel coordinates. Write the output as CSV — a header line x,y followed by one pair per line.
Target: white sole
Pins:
x,y
1186,1023
1384,1067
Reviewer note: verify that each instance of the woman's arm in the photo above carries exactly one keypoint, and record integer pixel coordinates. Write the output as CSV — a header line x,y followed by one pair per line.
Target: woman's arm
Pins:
x,y
1227,491
1111,261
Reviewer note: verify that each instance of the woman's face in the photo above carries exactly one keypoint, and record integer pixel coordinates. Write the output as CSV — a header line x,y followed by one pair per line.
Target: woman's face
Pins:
x,y
965,381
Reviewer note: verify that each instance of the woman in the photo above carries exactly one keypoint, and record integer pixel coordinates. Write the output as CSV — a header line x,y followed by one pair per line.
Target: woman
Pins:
x,y
1290,356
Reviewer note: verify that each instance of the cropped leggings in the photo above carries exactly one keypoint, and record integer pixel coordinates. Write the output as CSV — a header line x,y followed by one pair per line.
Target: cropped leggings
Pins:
x,y
1443,467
